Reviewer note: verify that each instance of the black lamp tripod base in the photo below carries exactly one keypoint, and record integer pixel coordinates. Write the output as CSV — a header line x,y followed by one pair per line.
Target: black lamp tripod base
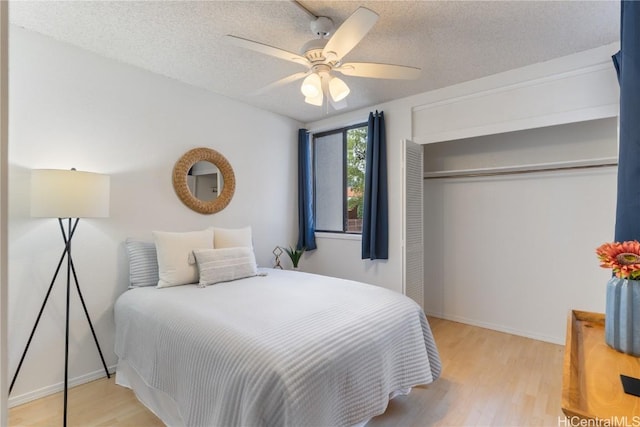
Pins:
x,y
71,228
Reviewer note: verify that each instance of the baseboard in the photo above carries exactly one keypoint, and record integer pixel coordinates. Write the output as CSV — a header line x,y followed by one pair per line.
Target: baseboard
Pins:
x,y
499,328
54,388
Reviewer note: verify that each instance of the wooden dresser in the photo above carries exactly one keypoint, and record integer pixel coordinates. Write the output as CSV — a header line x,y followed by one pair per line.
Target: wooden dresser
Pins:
x,y
591,387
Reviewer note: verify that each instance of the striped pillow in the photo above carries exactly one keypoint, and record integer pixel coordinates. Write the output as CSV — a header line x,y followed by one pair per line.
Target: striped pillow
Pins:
x,y
225,265
143,263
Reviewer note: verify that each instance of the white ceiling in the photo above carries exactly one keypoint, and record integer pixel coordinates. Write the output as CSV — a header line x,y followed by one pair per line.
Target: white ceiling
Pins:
x,y
452,41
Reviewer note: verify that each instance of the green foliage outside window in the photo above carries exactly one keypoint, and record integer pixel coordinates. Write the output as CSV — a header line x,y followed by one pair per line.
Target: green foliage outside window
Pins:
x,y
356,155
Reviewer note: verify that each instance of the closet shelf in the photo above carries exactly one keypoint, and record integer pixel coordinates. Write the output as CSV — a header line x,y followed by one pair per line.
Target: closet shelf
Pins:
x,y
529,168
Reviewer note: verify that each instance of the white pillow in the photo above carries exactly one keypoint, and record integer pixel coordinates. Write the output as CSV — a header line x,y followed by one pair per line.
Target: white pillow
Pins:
x,y
232,237
224,265
173,251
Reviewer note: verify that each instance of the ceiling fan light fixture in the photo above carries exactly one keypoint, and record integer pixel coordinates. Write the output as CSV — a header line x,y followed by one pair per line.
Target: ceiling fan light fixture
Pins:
x,y
324,55
315,100
311,86
338,89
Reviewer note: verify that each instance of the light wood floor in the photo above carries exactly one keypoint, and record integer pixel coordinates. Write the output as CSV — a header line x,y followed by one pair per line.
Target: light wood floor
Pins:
x,y
489,379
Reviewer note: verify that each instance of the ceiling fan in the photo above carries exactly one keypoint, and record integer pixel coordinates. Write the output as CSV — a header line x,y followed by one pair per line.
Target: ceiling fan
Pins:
x,y
323,58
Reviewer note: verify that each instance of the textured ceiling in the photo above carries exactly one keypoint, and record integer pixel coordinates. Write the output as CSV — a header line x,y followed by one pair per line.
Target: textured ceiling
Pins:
x,y
452,41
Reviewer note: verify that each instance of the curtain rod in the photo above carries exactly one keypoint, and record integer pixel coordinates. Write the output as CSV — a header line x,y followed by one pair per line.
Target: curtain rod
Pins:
x,y
524,169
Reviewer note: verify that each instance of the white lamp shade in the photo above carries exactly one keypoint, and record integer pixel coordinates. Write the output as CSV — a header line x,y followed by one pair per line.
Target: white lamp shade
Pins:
x,y
311,86
315,100
338,89
59,193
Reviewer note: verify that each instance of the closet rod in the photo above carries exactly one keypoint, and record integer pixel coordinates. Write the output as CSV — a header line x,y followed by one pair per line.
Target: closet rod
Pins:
x,y
517,171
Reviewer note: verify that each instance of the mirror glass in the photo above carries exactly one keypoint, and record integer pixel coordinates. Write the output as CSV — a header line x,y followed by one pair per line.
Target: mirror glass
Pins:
x,y
205,181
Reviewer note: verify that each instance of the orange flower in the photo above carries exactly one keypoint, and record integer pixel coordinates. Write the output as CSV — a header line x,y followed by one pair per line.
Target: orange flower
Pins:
x,y
623,258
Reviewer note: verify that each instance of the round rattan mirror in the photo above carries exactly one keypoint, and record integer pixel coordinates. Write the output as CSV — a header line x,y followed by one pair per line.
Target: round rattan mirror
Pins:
x,y
182,172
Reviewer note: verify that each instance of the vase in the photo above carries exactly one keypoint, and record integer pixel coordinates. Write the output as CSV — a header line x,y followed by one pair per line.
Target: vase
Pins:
x,y
622,315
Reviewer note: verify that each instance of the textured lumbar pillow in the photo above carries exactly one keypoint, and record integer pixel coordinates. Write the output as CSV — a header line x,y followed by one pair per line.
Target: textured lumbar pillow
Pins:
x,y
173,251
224,265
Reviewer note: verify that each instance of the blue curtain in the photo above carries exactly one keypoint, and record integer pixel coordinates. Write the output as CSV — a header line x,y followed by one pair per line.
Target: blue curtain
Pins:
x,y
375,220
306,221
627,63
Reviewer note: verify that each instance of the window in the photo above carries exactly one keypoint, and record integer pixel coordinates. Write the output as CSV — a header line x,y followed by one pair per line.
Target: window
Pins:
x,y
339,166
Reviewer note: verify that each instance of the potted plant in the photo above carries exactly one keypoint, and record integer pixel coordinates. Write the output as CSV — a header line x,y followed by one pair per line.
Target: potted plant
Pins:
x,y
295,255
622,312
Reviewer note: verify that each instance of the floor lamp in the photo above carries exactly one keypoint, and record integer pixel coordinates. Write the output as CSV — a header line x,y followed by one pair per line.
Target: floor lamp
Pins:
x,y
67,195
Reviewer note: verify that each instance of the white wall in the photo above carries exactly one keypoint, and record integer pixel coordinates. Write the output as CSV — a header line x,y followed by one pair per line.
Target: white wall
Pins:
x,y
71,108
573,88
4,162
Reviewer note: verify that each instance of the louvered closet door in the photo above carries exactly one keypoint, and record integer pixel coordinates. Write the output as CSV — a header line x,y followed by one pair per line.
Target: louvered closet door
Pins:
x,y
413,262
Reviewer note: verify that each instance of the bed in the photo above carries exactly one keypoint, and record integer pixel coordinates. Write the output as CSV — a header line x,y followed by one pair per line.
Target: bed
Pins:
x,y
281,348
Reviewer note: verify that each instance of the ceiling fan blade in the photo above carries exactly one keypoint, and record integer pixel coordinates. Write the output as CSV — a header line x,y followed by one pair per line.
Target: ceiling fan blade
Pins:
x,y
349,34
379,71
267,50
281,82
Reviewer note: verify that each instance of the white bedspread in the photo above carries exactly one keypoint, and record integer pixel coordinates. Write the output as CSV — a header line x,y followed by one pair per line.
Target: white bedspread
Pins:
x,y
289,349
